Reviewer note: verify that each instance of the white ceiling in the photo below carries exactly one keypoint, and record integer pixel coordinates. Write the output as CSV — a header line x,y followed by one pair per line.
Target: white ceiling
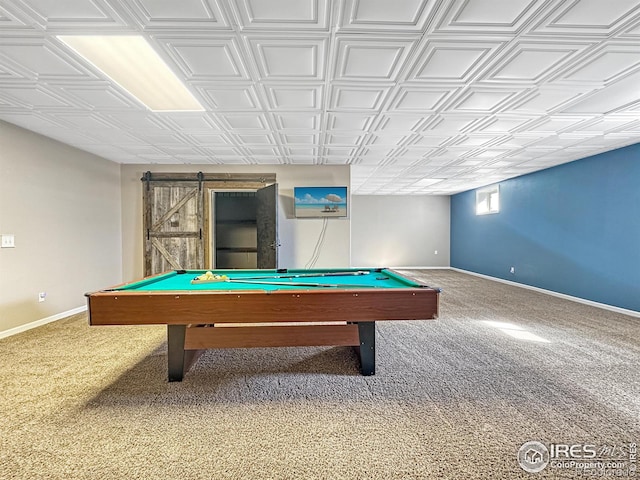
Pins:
x,y
467,91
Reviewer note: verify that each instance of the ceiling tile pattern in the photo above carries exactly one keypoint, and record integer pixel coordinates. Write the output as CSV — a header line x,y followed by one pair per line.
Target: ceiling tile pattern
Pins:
x,y
416,96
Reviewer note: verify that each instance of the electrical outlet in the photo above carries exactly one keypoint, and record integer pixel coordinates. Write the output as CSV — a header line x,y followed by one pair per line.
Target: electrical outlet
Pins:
x,y
42,296
8,241
436,252
512,270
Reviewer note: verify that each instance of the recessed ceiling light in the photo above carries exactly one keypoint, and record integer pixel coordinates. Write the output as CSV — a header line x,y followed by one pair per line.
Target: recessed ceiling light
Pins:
x,y
135,66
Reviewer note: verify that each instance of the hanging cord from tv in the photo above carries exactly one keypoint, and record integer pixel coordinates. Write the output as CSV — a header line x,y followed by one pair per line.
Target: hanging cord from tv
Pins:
x,y
316,252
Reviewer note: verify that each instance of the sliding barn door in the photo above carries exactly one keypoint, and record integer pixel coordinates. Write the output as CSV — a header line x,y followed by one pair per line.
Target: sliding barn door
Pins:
x,y
173,226
176,217
267,226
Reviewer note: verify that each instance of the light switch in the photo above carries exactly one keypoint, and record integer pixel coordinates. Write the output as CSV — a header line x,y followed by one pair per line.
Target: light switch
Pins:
x,y
8,241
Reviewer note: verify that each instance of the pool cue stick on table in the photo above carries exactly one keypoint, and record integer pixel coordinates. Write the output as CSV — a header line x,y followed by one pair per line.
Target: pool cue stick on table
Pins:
x,y
300,284
303,275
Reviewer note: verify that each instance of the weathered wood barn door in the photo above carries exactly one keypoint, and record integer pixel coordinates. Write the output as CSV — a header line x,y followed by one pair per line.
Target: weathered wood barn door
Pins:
x,y
173,223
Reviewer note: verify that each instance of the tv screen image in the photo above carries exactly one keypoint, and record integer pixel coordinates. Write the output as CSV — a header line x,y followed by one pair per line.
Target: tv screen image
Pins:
x,y
314,202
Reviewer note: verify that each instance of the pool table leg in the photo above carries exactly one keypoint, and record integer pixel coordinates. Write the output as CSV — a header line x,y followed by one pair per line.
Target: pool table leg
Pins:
x,y
179,360
175,351
367,348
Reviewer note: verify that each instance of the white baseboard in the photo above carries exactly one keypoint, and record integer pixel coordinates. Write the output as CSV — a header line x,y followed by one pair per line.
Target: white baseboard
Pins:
x,y
420,268
612,308
43,321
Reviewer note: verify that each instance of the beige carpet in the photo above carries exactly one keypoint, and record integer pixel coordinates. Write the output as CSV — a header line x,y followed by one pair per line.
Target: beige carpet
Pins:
x,y
453,398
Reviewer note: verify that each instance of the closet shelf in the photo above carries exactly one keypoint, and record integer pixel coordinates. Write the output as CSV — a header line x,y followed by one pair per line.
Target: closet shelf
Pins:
x,y
235,222
237,249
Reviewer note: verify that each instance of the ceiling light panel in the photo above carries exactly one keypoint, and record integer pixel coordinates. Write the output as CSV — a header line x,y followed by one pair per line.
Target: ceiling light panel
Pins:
x,y
131,62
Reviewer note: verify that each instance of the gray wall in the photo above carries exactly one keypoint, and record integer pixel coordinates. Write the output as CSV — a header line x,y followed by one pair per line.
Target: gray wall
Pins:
x,y
399,231
63,206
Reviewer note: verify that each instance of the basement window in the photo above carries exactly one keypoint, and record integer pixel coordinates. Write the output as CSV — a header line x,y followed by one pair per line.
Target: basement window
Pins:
x,y
488,200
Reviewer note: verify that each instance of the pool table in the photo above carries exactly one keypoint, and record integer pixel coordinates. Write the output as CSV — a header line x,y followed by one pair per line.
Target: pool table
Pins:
x,y
265,308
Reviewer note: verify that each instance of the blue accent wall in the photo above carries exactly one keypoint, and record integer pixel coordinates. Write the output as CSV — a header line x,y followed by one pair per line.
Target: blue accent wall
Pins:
x,y
572,229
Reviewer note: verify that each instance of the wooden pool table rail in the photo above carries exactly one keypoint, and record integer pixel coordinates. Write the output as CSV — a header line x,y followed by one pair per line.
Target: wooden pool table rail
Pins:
x,y
204,307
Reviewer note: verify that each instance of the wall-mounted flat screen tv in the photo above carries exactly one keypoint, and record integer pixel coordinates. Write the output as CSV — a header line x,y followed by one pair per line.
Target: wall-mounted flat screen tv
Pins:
x,y
314,202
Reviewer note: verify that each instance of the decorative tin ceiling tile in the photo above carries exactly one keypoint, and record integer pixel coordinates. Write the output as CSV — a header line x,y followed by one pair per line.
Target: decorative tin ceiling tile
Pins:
x,y
464,91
